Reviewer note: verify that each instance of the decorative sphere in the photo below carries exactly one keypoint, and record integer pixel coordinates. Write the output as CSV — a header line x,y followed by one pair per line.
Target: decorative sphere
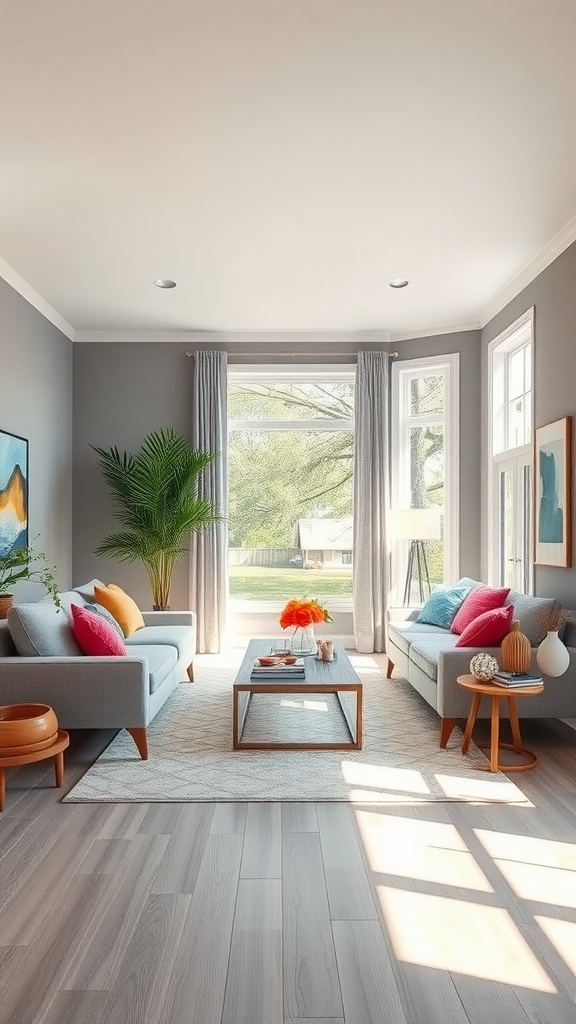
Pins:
x,y
483,667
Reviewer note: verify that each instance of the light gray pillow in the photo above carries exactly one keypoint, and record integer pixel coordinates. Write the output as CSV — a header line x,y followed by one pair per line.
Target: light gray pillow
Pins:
x,y
39,630
533,613
86,590
99,609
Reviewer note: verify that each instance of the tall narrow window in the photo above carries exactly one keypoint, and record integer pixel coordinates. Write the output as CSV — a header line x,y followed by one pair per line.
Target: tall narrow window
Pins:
x,y
424,476
510,456
290,483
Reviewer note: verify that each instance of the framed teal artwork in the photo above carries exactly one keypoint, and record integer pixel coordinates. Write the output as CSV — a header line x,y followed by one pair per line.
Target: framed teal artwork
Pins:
x,y
553,493
13,492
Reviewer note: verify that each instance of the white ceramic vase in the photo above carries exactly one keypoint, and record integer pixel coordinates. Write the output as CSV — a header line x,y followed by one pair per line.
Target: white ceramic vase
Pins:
x,y
552,656
302,640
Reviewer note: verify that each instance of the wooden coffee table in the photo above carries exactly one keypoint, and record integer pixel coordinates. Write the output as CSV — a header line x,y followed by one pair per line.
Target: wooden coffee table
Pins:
x,y
498,693
337,677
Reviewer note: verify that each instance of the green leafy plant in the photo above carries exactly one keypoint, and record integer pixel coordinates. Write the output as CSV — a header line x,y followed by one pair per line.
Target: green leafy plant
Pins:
x,y
28,564
155,498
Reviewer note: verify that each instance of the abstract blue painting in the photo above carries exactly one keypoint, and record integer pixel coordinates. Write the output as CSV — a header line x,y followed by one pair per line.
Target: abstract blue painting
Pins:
x,y
13,492
553,485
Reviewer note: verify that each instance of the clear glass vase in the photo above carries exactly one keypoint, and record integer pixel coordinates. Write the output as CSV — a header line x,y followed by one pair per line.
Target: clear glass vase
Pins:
x,y
302,640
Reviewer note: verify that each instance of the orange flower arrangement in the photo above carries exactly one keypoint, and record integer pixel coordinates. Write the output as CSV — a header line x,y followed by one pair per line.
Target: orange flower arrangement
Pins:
x,y
304,613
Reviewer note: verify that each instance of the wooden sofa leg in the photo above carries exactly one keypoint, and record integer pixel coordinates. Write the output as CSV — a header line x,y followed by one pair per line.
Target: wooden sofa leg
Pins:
x,y
140,738
389,669
190,671
446,729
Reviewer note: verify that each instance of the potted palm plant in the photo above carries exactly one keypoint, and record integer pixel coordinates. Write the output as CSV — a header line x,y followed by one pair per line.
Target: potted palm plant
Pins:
x,y
155,498
25,564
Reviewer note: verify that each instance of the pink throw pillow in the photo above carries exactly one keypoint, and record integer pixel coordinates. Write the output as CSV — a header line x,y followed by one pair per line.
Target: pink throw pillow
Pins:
x,y
488,629
94,635
481,599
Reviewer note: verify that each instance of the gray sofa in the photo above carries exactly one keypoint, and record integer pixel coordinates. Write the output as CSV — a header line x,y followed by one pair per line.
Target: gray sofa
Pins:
x,y
428,658
123,692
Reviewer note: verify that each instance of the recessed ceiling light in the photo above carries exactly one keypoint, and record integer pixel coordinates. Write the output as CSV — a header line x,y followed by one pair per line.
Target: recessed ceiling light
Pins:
x,y
164,282
398,282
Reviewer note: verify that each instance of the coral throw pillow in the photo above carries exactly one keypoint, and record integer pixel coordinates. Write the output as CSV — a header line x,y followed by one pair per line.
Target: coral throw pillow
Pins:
x,y
121,606
488,629
94,635
481,599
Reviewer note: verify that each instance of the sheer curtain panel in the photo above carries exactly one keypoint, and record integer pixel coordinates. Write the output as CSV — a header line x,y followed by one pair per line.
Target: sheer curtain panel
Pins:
x,y
371,462
209,547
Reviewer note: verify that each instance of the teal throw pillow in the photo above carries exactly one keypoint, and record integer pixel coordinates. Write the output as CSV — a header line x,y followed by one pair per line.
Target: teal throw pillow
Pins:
x,y
99,609
442,605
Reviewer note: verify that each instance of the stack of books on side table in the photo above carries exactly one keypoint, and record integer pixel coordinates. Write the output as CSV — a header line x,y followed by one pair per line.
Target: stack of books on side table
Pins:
x,y
511,680
278,670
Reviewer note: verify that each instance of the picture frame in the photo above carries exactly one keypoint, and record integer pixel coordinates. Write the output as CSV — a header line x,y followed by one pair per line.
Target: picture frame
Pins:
x,y
553,493
13,492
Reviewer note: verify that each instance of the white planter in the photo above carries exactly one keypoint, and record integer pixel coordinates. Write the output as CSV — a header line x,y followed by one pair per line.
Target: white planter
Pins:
x,y
552,656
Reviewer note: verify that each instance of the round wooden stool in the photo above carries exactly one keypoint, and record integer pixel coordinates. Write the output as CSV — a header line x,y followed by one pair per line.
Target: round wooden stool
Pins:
x,y
497,694
55,750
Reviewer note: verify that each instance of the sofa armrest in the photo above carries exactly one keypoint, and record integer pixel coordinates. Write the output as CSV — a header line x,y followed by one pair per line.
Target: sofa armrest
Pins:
x,y
181,618
402,614
85,692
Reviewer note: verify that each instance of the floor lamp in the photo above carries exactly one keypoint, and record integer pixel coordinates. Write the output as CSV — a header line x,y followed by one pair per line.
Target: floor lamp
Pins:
x,y
417,525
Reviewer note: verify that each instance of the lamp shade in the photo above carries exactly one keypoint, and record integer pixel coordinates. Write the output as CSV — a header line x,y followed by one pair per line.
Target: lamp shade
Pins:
x,y
417,523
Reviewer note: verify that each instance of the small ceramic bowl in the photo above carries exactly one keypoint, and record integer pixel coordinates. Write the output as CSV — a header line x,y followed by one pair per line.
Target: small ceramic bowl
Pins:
x,y
269,661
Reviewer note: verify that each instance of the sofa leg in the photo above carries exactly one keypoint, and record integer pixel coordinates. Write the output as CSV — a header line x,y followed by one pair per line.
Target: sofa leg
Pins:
x,y
190,671
389,669
140,738
446,728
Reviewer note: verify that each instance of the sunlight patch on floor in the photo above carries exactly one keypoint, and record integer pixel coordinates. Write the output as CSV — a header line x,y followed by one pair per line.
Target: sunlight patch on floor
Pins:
x,y
430,851
535,869
307,705
379,777
457,936
482,788
562,935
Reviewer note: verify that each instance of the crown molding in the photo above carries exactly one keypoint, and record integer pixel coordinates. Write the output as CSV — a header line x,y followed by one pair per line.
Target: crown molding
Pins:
x,y
236,337
13,278
554,248
432,332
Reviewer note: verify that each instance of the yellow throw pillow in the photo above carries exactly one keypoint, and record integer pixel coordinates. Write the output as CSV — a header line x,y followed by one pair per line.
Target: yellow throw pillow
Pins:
x,y
121,606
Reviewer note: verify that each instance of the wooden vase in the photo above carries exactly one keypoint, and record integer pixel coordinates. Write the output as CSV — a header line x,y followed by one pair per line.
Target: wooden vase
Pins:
x,y
516,651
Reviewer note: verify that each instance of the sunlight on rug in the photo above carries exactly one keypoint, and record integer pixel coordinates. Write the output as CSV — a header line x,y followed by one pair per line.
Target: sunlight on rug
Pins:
x,y
191,756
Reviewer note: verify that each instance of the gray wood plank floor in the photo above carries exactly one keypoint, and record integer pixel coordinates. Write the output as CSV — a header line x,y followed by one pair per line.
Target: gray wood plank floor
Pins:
x,y
290,913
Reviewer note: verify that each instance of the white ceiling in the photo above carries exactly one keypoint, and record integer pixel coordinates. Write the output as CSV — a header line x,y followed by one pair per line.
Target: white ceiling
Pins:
x,y
282,160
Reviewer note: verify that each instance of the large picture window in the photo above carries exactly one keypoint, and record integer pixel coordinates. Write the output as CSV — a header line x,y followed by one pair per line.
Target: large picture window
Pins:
x,y
290,483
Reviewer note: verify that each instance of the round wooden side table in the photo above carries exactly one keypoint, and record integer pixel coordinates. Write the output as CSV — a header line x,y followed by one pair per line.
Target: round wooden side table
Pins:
x,y
498,694
56,750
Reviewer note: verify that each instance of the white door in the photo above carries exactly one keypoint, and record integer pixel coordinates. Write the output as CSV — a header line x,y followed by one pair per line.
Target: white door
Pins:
x,y
514,521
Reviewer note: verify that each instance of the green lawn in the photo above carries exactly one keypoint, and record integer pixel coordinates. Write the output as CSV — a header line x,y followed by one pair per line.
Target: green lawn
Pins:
x,y
257,583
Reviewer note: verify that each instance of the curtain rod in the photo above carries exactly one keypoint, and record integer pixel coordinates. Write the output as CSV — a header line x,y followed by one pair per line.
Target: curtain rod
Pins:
x,y
292,355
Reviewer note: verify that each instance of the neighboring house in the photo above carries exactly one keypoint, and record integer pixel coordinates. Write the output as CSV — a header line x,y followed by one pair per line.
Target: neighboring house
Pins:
x,y
325,542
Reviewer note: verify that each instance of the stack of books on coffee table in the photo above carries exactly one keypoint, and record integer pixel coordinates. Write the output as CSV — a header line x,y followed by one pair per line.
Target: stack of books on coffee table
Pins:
x,y
516,680
279,670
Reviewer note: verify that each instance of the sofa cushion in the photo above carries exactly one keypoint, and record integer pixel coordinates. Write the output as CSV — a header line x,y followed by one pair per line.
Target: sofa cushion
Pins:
x,y
442,605
479,600
180,637
487,629
425,653
121,606
533,614
94,635
39,630
160,660
404,633
86,590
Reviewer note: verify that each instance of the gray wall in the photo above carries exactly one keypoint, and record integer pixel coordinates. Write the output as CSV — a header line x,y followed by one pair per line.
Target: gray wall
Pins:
x,y
467,344
36,402
553,295
123,391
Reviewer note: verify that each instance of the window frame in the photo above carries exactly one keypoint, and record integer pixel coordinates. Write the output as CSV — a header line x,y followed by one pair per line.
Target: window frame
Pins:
x,y
402,420
295,374
516,336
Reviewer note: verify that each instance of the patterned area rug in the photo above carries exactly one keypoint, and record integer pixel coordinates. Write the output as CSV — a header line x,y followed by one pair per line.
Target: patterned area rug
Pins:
x,y
191,757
